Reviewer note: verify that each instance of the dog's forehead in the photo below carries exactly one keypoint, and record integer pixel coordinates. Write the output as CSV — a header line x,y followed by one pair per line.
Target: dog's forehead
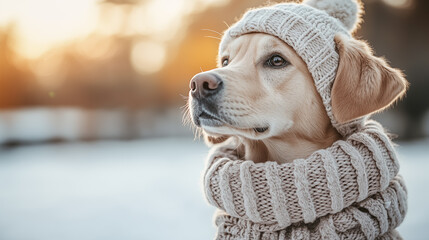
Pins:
x,y
262,44
257,40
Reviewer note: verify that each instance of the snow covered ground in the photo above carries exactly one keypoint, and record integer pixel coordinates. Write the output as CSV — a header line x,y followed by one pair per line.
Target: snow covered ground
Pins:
x,y
147,189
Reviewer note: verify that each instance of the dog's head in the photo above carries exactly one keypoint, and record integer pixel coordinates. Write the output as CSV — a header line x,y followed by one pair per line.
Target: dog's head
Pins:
x,y
257,91
264,88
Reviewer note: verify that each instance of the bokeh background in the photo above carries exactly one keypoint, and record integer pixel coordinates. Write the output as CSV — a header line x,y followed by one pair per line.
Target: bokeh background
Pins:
x,y
92,144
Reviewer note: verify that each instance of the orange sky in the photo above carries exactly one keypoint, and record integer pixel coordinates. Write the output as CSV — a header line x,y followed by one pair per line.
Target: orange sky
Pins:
x,y
43,24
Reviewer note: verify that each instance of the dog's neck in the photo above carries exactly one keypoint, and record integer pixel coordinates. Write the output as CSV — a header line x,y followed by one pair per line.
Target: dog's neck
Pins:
x,y
291,145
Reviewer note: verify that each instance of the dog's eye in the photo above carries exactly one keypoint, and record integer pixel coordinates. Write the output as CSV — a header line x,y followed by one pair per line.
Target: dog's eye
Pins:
x,y
225,62
276,61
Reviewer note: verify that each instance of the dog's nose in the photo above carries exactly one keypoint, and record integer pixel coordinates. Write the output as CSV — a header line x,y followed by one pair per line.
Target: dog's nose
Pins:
x,y
205,85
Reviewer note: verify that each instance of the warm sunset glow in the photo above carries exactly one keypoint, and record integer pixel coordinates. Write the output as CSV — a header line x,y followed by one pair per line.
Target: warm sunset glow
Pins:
x,y
161,22
398,3
44,23
48,70
97,48
58,52
164,19
148,57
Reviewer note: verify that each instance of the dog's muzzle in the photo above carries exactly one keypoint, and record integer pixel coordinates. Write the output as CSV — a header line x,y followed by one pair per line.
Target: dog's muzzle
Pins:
x,y
205,92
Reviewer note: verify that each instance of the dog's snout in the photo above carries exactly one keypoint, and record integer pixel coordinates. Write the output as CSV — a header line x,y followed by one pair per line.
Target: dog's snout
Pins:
x,y
205,84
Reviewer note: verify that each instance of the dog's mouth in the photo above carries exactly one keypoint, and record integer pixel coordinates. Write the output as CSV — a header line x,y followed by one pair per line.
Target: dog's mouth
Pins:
x,y
207,119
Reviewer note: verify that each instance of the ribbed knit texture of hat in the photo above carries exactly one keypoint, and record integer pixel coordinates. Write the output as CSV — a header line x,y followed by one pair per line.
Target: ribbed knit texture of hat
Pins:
x,y
310,32
350,190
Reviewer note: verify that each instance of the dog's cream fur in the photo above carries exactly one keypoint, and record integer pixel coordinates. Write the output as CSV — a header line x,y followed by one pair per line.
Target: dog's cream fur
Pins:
x,y
286,101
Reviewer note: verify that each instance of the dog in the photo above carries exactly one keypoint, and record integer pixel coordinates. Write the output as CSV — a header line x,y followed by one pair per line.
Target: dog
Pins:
x,y
263,95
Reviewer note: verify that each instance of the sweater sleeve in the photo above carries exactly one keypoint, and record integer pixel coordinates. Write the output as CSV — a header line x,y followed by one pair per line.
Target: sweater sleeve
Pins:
x,y
324,183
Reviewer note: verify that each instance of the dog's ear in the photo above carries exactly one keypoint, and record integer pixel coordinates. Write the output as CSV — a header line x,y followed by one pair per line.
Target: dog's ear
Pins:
x,y
364,83
210,140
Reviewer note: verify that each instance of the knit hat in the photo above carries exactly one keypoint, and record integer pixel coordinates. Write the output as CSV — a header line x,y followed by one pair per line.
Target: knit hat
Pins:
x,y
309,28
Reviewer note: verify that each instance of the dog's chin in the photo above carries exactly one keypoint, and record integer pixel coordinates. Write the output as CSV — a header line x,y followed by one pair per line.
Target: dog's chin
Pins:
x,y
256,133
215,126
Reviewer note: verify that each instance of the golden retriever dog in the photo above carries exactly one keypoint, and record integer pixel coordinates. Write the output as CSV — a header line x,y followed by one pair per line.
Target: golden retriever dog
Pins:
x,y
263,95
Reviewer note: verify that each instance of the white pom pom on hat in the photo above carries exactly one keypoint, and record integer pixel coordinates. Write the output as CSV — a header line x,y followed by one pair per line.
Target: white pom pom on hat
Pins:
x,y
347,11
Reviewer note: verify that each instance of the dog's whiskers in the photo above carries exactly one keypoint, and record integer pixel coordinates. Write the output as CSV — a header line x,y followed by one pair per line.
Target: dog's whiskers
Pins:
x,y
187,121
185,97
226,24
186,117
210,30
218,38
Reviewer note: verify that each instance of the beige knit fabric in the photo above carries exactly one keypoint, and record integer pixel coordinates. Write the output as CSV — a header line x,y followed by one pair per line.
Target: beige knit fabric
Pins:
x,y
373,218
329,189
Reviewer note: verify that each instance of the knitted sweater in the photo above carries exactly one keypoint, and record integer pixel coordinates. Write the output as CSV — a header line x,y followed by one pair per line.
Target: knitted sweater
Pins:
x,y
350,190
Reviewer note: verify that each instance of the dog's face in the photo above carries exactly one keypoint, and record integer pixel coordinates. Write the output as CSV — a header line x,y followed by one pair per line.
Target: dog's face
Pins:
x,y
260,90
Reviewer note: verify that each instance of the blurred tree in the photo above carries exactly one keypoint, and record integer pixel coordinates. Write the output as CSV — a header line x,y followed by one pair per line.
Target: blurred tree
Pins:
x,y
16,80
